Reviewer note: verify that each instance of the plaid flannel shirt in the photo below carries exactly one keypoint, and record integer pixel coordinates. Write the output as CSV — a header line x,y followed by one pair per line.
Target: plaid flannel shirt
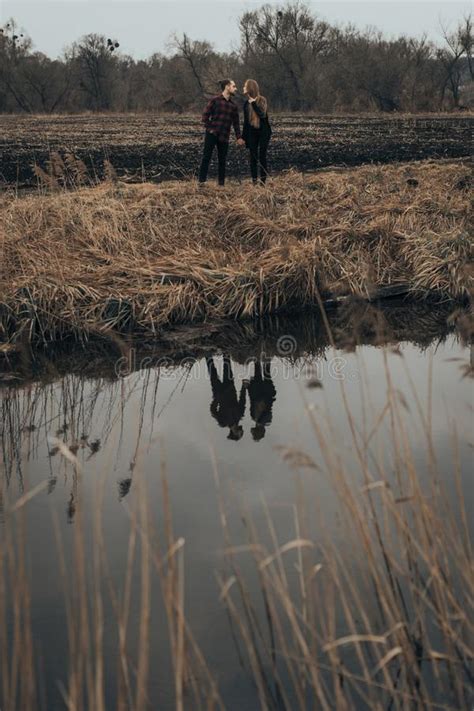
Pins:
x,y
218,117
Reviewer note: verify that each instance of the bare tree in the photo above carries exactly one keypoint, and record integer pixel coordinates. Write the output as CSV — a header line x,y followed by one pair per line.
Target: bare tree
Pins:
x,y
197,55
301,62
49,81
292,36
458,47
466,38
14,49
96,66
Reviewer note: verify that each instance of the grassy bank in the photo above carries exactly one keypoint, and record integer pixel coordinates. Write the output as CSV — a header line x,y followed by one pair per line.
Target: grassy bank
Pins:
x,y
137,258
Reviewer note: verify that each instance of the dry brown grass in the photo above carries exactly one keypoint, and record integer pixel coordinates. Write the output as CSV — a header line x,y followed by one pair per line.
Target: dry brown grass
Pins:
x,y
90,599
140,257
387,624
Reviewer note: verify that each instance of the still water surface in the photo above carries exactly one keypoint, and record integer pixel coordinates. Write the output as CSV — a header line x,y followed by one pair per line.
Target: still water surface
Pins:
x,y
234,414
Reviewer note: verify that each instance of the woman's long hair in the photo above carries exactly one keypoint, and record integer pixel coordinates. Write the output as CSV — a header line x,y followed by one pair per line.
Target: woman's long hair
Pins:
x,y
253,91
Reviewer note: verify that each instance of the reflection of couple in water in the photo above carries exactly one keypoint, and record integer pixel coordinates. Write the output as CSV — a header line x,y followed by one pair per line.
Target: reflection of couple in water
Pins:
x,y
228,410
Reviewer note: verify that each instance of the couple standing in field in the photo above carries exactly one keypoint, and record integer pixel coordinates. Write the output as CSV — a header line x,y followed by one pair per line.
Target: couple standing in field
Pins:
x,y
221,114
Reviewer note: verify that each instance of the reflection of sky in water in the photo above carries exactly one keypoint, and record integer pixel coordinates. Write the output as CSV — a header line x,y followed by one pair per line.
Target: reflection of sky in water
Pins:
x,y
183,436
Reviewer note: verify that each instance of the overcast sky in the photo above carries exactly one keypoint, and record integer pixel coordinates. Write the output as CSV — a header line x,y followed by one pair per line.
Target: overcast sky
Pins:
x,y
143,28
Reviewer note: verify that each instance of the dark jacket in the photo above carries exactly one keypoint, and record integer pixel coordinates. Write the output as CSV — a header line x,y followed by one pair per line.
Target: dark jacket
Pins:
x,y
265,127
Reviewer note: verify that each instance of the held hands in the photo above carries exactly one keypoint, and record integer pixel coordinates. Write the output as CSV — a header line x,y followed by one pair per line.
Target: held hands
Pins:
x,y
240,142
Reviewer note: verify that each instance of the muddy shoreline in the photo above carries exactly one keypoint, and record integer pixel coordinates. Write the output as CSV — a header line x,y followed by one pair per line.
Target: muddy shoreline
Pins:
x,y
305,335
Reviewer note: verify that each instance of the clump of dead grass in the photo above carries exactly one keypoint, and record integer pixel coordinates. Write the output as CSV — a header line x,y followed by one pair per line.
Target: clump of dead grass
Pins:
x,y
141,257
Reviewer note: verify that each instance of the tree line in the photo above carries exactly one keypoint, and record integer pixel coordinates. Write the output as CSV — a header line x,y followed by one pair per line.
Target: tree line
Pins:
x,y
302,62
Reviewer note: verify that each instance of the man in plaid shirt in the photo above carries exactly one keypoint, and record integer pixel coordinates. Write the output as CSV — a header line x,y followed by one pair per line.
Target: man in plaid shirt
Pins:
x,y
220,114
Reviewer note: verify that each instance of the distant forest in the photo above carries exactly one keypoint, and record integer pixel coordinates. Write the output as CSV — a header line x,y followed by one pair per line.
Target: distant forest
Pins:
x,y
301,62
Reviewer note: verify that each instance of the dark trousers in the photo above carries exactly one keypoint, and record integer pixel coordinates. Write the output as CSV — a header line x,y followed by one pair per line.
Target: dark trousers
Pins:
x,y
210,141
257,143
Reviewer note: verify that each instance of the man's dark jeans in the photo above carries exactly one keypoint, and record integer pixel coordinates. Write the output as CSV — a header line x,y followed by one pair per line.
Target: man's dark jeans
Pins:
x,y
257,143
210,141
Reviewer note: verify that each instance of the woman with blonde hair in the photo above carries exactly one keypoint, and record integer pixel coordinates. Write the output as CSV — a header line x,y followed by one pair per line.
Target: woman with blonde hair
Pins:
x,y
257,130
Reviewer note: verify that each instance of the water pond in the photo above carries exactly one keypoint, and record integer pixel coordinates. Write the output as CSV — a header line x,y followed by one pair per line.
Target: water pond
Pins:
x,y
140,484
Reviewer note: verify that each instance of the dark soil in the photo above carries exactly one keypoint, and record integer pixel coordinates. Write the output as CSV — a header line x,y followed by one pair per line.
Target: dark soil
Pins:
x,y
147,147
